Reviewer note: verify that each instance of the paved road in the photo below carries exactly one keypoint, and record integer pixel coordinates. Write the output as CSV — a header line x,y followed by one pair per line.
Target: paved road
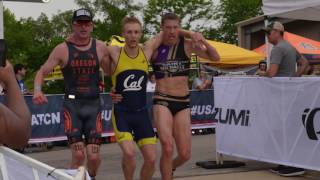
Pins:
x,y
203,149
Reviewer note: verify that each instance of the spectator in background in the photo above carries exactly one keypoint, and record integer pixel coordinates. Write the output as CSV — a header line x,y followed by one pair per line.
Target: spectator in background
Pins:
x,y
20,71
309,70
262,67
202,82
15,118
284,57
151,84
283,61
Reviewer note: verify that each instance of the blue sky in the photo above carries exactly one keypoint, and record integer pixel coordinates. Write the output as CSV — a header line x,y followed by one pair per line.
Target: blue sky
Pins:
x,y
24,10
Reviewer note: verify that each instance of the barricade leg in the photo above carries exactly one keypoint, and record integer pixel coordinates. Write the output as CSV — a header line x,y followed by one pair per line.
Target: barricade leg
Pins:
x,y
219,163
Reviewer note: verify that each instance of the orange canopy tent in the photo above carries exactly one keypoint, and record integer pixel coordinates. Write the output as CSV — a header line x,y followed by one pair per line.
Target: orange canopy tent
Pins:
x,y
302,44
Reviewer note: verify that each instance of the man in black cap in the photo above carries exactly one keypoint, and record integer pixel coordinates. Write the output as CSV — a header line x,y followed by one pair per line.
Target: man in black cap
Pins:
x,y
80,57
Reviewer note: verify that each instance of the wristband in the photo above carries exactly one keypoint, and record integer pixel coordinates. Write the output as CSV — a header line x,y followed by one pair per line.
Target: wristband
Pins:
x,y
37,88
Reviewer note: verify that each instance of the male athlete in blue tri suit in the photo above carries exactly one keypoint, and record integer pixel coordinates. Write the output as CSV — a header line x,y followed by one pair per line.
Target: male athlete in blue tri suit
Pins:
x,y
129,71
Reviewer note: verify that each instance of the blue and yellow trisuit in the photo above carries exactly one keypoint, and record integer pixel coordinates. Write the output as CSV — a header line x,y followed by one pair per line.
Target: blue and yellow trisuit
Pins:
x,y
130,117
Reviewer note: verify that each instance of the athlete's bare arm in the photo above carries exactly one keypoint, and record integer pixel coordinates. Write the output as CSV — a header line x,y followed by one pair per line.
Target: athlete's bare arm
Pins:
x,y
114,53
58,56
201,47
152,45
15,118
103,55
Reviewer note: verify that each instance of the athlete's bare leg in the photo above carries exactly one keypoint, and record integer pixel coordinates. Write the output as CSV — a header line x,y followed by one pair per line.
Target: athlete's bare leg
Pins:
x,y
93,159
182,136
78,156
149,155
128,159
164,124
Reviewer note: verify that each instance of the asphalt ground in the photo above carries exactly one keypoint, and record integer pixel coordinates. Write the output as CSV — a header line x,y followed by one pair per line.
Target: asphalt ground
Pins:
x,y
203,149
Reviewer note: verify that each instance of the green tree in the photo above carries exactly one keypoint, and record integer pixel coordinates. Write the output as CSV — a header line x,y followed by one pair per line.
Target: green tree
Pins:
x,y
190,12
17,37
229,12
31,41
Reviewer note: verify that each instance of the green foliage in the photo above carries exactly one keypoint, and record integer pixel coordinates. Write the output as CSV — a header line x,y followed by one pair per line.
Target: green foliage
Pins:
x,y
229,12
188,10
31,41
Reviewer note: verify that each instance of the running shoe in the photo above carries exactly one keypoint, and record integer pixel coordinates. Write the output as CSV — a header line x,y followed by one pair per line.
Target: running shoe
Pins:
x,y
291,171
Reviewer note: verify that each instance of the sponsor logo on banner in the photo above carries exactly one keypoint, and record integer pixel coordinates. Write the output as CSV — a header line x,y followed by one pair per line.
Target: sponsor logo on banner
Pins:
x,y
232,116
308,120
106,115
202,110
45,119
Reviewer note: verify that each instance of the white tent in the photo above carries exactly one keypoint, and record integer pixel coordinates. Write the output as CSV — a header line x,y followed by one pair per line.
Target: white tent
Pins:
x,y
292,9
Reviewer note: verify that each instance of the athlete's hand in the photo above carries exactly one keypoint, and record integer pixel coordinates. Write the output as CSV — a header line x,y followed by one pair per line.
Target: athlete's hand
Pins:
x,y
198,40
7,74
39,98
115,97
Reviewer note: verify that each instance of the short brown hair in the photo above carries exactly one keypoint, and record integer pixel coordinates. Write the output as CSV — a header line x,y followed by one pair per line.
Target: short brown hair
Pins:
x,y
169,16
130,19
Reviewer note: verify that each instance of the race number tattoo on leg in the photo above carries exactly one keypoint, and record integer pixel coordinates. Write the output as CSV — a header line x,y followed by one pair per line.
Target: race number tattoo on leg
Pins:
x,y
95,149
78,147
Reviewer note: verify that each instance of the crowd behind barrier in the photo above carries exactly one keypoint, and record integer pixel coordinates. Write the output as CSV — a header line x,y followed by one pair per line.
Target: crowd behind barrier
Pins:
x,y
47,119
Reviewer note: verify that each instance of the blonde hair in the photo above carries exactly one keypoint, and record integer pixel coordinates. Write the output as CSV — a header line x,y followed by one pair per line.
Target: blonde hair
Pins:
x,y
127,20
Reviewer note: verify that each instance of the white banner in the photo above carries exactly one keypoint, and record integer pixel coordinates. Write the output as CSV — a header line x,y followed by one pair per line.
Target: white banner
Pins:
x,y
16,166
273,120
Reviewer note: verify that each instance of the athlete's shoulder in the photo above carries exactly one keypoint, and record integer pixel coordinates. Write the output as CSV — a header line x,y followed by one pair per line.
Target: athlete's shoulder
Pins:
x,y
60,48
100,43
113,49
143,51
114,52
62,45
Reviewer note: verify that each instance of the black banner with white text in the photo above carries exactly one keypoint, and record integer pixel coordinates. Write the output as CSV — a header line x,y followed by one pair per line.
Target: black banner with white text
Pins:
x,y
47,119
